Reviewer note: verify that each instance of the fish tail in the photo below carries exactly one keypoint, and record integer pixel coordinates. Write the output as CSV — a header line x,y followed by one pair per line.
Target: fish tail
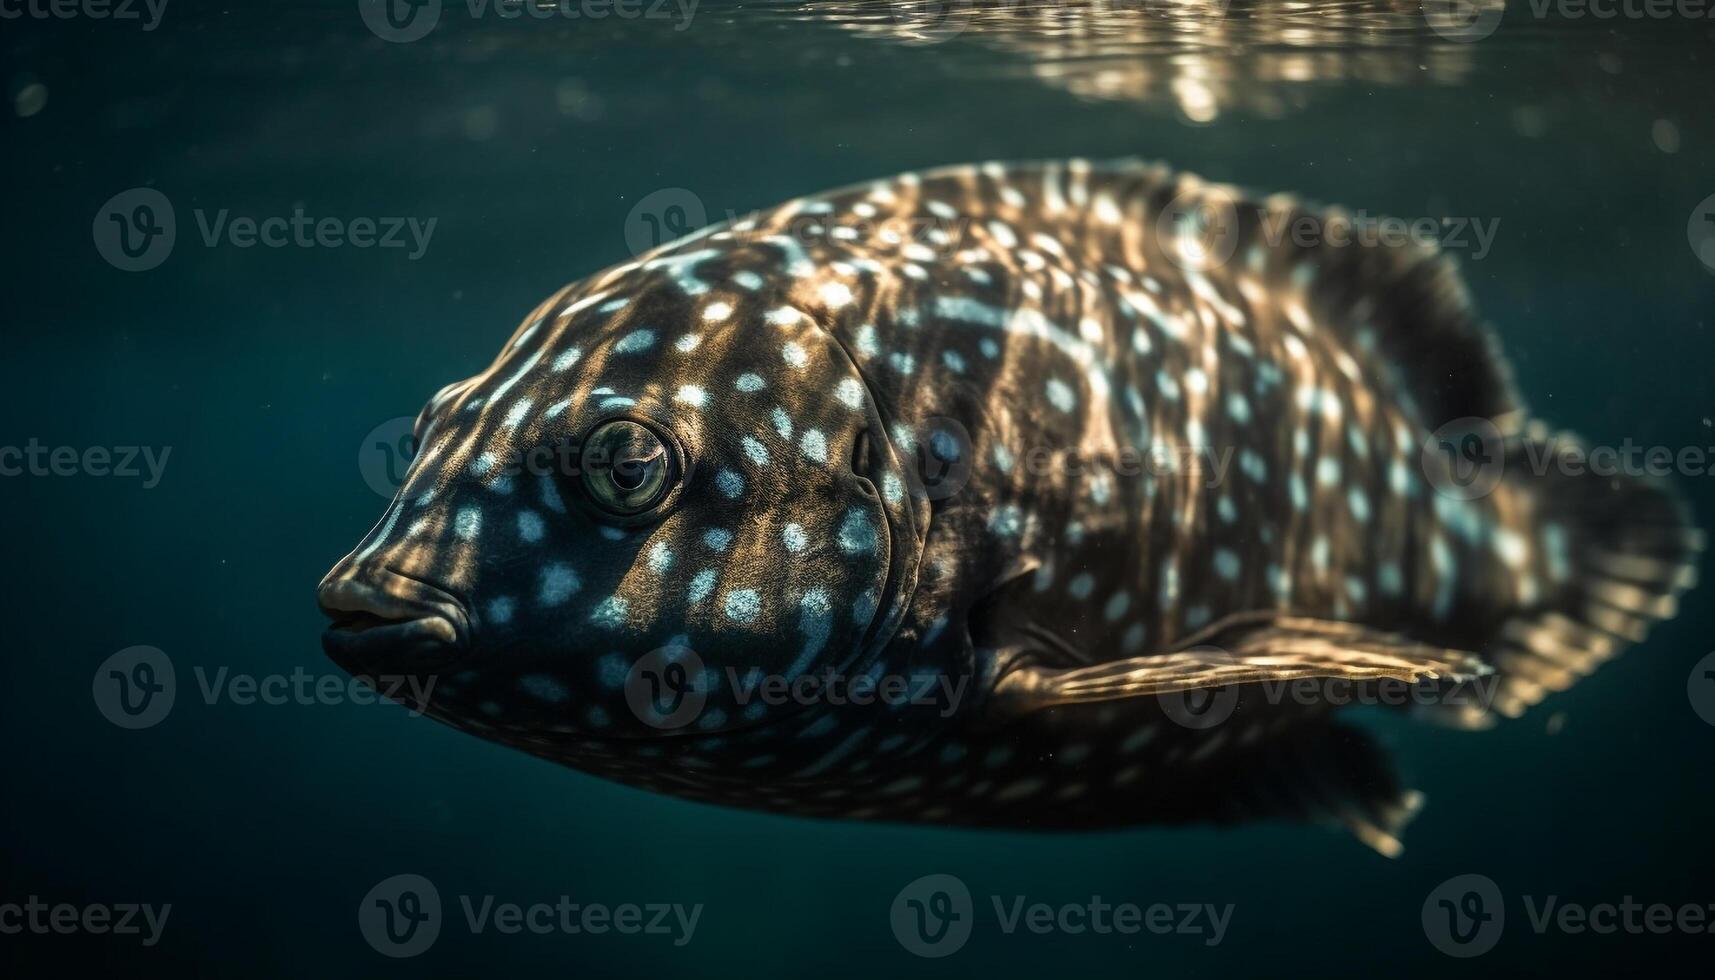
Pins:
x,y
1597,553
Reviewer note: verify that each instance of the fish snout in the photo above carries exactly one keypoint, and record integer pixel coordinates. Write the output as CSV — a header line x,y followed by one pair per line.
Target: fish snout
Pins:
x,y
383,622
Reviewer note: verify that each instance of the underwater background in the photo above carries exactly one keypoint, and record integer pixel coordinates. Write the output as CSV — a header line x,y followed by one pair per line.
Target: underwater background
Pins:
x,y
545,148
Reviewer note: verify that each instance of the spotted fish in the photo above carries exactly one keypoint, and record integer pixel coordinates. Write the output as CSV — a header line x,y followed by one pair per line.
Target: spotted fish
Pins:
x,y
1001,496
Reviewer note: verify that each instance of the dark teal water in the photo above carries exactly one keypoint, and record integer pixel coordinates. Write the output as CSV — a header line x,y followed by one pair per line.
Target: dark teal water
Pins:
x,y
530,143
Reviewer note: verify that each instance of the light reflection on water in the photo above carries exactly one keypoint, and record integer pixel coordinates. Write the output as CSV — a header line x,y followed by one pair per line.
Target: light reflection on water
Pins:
x,y
1199,57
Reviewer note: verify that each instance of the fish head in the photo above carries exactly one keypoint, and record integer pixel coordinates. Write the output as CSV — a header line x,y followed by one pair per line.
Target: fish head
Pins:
x,y
647,494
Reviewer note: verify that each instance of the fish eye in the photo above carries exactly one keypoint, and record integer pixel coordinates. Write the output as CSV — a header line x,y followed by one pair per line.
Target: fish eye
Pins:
x,y
626,468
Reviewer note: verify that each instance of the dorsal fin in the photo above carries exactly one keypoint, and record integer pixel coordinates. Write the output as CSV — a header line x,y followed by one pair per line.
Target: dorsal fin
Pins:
x,y
1397,305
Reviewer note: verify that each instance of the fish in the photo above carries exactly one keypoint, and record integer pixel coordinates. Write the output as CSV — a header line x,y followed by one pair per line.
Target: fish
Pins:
x,y
1058,496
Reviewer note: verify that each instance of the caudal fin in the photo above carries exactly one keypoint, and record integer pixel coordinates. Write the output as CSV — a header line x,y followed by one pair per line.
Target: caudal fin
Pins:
x,y
1613,554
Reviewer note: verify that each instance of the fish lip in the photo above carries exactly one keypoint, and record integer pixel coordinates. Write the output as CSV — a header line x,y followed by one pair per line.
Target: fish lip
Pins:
x,y
366,620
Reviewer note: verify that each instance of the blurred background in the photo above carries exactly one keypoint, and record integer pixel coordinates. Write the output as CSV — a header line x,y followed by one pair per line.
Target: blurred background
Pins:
x,y
544,146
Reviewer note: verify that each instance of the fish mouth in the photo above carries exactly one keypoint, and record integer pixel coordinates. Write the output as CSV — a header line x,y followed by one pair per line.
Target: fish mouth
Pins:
x,y
379,630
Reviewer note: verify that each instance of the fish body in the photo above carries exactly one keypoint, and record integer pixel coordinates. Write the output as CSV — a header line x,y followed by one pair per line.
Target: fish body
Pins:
x,y
1004,496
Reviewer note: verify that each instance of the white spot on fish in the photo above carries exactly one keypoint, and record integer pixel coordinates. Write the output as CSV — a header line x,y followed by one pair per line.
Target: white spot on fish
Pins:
x,y
468,524
660,557
702,584
516,413
1227,565
635,342
743,605
856,534
1081,586
814,445
850,392
558,584
611,613
529,526
1061,396
835,294
1117,605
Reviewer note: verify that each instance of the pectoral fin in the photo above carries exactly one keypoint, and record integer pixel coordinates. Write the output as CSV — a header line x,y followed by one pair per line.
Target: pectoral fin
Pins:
x,y
1244,649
